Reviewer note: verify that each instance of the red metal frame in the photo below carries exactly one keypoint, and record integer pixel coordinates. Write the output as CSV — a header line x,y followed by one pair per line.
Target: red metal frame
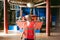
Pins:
x,y
48,17
5,17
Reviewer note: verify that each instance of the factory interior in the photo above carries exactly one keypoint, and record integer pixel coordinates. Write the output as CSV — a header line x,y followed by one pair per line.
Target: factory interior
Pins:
x,y
44,14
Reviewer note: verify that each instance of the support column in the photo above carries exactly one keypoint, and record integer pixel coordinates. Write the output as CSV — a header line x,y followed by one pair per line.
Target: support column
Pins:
x,y
31,11
48,19
5,17
20,11
34,11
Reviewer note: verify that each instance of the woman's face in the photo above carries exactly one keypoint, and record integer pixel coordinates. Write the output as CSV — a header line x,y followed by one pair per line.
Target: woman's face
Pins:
x,y
28,18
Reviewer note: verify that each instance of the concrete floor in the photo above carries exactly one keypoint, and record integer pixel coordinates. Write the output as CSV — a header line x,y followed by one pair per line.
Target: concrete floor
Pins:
x,y
55,35
17,36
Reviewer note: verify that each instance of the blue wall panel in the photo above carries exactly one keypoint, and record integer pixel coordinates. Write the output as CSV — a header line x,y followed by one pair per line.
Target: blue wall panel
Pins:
x,y
26,11
11,27
17,11
40,12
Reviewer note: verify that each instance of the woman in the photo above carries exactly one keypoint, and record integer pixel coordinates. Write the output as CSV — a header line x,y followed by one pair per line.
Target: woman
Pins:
x,y
29,30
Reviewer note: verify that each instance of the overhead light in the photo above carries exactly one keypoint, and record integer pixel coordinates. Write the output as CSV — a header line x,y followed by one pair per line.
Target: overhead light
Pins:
x,y
30,4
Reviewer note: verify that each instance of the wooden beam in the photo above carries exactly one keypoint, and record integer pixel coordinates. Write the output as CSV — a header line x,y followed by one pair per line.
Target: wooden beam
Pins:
x,y
5,17
50,7
48,13
35,1
17,2
40,4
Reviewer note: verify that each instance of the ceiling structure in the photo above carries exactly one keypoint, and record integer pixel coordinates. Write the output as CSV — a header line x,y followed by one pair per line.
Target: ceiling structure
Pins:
x,y
35,1
24,2
39,3
53,2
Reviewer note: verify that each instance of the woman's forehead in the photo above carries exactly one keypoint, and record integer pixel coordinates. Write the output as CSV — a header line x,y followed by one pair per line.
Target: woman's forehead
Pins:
x,y
26,15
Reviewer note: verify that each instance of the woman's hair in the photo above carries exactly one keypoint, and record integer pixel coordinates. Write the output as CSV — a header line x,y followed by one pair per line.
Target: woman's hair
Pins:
x,y
29,17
